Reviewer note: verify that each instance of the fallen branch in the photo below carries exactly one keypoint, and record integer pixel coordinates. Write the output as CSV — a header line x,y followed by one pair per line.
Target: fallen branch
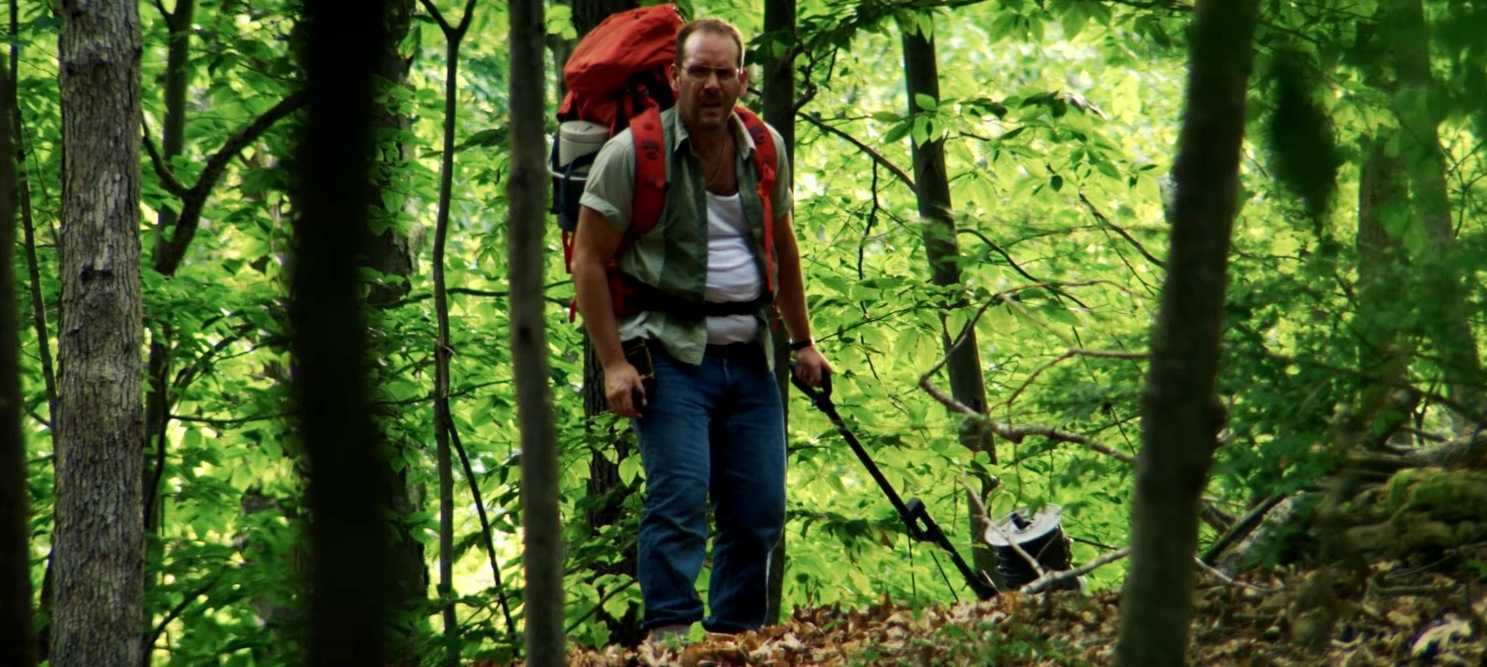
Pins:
x,y
1241,528
1050,580
1228,579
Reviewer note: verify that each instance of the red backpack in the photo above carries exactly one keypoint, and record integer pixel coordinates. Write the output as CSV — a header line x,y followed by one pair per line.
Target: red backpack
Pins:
x,y
616,78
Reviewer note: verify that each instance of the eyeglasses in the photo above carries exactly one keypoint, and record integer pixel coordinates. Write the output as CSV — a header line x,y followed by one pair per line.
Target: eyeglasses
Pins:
x,y
702,72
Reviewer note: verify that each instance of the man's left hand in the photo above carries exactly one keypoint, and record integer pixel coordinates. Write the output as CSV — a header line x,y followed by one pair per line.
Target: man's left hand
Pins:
x,y
810,366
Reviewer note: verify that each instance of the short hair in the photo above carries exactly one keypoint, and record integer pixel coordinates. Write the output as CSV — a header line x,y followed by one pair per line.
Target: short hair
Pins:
x,y
712,25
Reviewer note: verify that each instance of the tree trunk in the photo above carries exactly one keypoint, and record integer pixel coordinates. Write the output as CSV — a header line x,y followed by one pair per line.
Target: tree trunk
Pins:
x,y
779,112
922,78
1445,309
350,485
443,423
605,491
16,645
526,195
390,253
1180,413
1382,290
99,540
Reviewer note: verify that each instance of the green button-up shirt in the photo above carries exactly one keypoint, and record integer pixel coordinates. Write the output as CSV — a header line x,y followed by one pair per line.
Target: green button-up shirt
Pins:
x,y
673,256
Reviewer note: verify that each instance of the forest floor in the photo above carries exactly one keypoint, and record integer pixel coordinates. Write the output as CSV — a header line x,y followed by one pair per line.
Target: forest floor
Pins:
x,y
1387,613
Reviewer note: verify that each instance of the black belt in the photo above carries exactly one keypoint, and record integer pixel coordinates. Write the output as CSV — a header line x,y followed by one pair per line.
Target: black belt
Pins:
x,y
650,298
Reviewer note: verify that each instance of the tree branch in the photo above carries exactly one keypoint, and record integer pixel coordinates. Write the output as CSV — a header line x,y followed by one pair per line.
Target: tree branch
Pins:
x,y
1124,234
180,608
485,527
875,155
167,179
438,17
1015,266
169,256
1017,434
1070,354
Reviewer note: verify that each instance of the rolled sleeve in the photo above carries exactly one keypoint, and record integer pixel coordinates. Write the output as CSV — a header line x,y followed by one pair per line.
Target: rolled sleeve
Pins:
x,y
610,188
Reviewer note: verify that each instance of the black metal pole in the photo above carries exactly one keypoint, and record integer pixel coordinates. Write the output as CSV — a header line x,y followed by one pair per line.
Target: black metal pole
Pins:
x,y
920,525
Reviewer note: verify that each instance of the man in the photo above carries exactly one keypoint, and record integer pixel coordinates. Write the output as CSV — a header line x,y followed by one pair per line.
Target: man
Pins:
x,y
710,425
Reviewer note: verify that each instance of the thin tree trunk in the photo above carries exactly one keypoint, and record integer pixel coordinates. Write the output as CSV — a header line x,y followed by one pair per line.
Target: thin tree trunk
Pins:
x,y
1180,413
922,78
23,200
38,304
99,539
173,141
172,144
16,644
526,193
350,486
779,112
1446,310
1382,288
442,350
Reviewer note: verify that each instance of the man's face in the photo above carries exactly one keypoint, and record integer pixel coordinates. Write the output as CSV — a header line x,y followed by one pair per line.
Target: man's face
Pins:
x,y
709,81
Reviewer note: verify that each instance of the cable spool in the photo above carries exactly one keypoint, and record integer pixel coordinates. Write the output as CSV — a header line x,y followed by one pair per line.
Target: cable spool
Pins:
x,y
1040,535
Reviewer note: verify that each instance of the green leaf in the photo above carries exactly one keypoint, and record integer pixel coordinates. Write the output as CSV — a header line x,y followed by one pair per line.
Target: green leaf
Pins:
x,y
896,133
925,102
629,469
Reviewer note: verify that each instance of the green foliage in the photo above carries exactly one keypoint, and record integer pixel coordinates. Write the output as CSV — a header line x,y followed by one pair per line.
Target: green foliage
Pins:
x,y
1058,119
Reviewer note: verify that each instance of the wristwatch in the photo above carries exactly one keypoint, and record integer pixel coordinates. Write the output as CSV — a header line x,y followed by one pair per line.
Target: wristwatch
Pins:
x,y
798,345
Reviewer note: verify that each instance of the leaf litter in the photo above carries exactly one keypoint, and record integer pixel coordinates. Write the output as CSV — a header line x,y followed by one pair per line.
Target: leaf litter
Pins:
x,y
1382,615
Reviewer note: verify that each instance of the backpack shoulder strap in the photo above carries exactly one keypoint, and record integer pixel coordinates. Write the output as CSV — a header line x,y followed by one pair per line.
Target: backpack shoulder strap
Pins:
x,y
650,172
766,157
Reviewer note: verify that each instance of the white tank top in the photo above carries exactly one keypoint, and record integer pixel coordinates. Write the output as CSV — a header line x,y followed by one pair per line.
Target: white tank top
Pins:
x,y
732,273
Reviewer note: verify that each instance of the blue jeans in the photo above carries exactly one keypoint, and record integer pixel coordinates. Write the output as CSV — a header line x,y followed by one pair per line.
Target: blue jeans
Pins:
x,y
714,433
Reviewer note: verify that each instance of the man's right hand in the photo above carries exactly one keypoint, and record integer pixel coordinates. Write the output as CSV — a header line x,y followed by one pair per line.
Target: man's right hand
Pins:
x,y
623,387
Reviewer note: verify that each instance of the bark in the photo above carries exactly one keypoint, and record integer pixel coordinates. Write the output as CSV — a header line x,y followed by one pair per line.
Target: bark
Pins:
x,y
391,251
922,78
779,112
350,485
1181,415
1445,309
526,194
98,539
453,36
391,254
16,644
